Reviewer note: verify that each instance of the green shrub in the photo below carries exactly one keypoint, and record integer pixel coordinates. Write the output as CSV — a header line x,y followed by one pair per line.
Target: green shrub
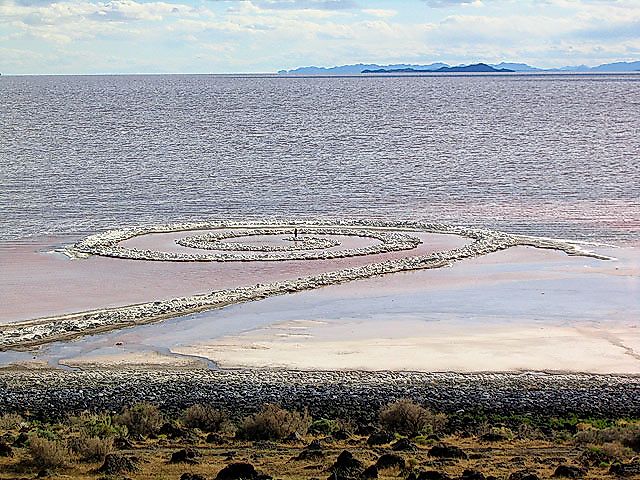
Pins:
x,y
408,418
324,426
47,453
97,425
206,418
273,423
141,419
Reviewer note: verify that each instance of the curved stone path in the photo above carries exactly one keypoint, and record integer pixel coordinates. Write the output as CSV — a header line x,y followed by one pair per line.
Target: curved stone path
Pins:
x,y
44,330
108,244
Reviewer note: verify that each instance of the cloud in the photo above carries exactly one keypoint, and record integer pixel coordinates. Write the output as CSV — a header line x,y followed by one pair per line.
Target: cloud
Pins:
x,y
379,12
78,36
451,3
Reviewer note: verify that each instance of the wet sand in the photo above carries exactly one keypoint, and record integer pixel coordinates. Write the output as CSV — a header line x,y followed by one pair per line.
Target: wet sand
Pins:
x,y
519,309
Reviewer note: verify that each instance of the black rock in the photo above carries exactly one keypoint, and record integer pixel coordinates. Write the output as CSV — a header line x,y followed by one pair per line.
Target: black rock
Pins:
x,y
447,451
122,443
6,450
432,475
523,475
390,460
186,455
346,466
493,437
380,438
172,431
215,438
625,469
192,476
340,435
44,473
472,475
569,471
370,472
21,440
403,445
115,463
314,445
310,455
241,471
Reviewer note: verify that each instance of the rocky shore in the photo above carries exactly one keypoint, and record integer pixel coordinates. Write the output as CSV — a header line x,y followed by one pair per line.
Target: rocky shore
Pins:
x,y
353,395
43,330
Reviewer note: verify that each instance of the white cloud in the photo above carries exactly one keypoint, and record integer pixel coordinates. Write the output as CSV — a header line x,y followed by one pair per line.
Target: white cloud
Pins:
x,y
266,35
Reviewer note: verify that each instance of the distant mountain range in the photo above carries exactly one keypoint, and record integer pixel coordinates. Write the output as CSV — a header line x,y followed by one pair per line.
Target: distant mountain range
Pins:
x,y
434,67
475,68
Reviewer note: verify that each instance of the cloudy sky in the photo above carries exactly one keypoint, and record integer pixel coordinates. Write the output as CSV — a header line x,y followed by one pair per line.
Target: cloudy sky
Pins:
x,y
223,36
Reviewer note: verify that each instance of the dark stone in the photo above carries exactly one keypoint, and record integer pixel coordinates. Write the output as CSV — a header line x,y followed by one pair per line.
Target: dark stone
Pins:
x,y
314,445
294,437
523,475
432,475
625,469
192,476
186,455
403,445
240,471
172,431
45,472
115,463
6,450
346,467
214,438
365,430
569,471
370,472
390,460
21,440
493,437
380,438
310,455
340,435
472,475
122,443
447,451
633,442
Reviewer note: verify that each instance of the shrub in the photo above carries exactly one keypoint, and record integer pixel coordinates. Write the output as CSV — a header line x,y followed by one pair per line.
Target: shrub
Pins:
x,y
91,448
47,453
141,419
408,418
10,421
206,418
324,426
272,423
100,425
627,435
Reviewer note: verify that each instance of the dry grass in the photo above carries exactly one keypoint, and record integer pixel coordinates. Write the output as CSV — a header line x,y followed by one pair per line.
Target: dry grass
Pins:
x,y
141,419
273,423
91,449
408,418
48,453
206,418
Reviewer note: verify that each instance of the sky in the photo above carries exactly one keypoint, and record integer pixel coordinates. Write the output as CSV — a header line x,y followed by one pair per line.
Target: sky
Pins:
x,y
250,36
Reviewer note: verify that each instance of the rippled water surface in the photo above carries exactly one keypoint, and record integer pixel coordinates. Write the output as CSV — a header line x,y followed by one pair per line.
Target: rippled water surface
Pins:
x,y
555,155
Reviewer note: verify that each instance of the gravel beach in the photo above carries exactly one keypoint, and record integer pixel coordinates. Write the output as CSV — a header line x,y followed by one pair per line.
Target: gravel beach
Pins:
x,y
334,394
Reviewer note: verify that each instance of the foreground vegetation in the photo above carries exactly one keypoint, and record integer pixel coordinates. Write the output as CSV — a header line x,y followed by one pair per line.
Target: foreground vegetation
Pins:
x,y
408,441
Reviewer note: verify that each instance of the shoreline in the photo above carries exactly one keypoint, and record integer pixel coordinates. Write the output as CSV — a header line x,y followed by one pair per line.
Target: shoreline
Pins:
x,y
27,334
336,394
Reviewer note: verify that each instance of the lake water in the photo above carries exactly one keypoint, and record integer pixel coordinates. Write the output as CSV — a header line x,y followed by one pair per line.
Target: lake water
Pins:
x,y
555,155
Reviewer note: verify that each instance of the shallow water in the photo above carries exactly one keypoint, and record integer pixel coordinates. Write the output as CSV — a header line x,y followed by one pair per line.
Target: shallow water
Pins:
x,y
552,155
